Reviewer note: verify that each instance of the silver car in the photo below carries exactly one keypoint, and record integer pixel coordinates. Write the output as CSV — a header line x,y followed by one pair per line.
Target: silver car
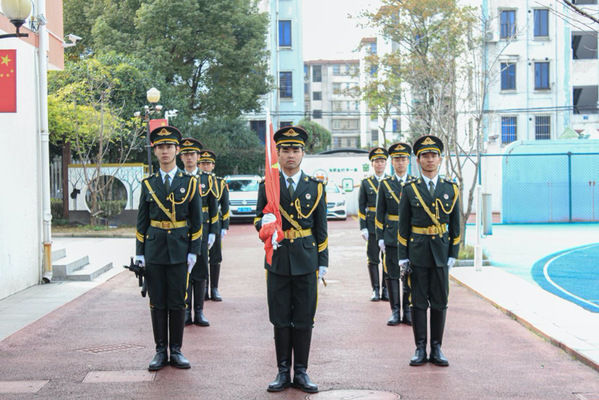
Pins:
x,y
243,193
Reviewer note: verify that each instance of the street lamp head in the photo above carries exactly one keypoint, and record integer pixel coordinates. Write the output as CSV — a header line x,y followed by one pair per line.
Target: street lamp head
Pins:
x,y
158,107
153,95
17,11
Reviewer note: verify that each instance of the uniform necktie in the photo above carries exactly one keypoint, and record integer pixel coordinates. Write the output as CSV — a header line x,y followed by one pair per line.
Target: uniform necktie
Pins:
x,y
167,183
290,187
431,188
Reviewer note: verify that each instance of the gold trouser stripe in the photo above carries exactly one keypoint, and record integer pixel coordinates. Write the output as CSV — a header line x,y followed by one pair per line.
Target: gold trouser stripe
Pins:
x,y
187,289
429,230
168,224
317,270
322,246
296,233
373,209
205,208
410,292
385,262
139,237
392,217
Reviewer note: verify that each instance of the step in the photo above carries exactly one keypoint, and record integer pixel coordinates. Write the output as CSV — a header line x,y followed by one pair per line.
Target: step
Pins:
x,y
89,272
58,254
67,266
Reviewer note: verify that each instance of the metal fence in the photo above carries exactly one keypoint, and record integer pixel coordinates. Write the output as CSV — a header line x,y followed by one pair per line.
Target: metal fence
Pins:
x,y
56,178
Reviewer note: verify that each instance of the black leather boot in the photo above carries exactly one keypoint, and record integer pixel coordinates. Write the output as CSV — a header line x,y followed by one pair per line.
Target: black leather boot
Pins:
x,y
199,287
301,350
214,275
188,320
373,271
406,308
437,327
283,350
384,291
159,326
393,285
419,328
176,323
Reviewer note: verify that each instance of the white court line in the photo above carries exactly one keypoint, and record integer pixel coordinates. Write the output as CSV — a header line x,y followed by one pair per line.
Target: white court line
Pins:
x,y
546,273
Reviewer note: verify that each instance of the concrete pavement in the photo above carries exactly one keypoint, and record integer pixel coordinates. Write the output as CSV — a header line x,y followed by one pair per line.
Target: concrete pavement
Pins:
x,y
99,344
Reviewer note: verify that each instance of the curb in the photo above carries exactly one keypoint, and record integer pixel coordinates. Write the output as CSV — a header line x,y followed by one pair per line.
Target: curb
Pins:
x,y
93,235
570,351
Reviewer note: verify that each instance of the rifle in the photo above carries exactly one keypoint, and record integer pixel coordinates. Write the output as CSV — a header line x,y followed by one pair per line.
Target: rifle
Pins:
x,y
140,272
405,269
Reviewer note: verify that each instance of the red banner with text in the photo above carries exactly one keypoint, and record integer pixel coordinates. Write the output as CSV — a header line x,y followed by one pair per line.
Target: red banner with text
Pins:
x,y
8,81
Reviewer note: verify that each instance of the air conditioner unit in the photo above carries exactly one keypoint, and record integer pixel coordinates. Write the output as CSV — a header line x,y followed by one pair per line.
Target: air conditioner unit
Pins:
x,y
490,36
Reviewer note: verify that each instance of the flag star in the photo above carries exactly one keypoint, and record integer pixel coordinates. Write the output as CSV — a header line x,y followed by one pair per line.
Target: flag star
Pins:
x,y
5,60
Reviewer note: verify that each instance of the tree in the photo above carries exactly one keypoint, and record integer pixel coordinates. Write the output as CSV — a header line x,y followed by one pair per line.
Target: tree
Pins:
x,y
319,138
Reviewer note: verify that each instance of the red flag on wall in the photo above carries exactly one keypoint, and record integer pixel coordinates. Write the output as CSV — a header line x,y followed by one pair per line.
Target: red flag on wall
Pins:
x,y
8,81
157,123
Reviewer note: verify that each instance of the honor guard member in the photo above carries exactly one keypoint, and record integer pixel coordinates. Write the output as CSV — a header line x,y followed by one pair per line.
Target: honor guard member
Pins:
x,y
367,214
429,240
190,155
168,239
387,219
221,192
298,262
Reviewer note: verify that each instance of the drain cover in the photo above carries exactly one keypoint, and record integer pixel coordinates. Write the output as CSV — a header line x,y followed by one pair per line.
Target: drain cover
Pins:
x,y
108,348
353,395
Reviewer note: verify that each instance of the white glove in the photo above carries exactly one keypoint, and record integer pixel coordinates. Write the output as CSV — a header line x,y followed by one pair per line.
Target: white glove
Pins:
x,y
364,233
141,259
223,233
268,218
450,262
275,243
322,271
382,245
404,261
191,261
211,239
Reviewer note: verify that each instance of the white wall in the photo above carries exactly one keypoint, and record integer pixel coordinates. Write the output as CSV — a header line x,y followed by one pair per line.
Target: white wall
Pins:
x,y
20,202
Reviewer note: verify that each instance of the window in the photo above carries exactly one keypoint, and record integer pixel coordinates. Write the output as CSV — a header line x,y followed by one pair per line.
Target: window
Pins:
x,y
508,76
395,125
316,95
336,142
317,114
306,72
373,70
336,69
541,75
509,129
259,126
285,123
336,88
584,2
284,33
585,99
346,124
317,73
541,23
372,48
306,89
285,85
542,127
508,24
584,45
374,136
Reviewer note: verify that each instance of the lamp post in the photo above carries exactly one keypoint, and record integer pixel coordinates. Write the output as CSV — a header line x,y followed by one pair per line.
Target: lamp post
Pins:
x,y
17,11
153,96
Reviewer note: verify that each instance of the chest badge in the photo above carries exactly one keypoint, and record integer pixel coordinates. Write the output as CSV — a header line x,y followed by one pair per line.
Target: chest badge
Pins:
x,y
446,196
182,190
308,196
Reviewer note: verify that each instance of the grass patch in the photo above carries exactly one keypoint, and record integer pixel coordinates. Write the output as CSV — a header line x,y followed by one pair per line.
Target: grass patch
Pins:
x,y
467,253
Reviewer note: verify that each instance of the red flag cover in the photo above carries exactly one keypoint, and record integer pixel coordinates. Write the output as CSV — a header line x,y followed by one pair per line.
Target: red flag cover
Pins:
x,y
273,196
157,123
8,81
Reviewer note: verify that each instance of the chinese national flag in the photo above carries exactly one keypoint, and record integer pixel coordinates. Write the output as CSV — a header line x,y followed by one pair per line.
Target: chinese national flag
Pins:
x,y
8,81
157,123
273,195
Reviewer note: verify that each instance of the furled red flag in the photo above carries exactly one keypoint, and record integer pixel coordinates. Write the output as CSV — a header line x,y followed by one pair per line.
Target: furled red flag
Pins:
x,y
157,123
273,194
8,81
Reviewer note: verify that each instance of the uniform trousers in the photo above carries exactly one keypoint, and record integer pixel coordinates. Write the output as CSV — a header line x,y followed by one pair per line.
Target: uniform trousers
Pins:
x,y
292,300
167,284
430,286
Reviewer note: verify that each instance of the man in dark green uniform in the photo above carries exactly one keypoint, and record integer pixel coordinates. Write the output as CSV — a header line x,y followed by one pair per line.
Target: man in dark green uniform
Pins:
x,y
168,237
367,214
387,219
297,263
190,155
221,192
429,239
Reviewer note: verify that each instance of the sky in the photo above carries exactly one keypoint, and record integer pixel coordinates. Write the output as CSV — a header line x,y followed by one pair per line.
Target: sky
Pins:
x,y
328,31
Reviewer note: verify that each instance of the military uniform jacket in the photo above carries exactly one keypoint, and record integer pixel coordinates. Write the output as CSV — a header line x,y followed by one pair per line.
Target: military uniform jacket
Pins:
x,y
387,206
169,225
208,190
305,224
367,203
429,227
223,202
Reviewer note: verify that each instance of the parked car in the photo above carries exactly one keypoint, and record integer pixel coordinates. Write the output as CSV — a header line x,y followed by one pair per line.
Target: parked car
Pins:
x,y
336,207
243,193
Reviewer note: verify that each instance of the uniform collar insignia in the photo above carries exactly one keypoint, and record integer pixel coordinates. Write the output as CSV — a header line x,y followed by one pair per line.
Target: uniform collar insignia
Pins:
x,y
428,140
163,132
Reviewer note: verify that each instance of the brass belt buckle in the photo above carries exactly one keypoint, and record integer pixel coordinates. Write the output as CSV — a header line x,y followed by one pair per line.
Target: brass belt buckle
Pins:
x,y
165,224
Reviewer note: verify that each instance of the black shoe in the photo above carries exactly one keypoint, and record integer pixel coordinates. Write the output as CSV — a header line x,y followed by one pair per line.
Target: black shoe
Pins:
x,y
437,327
393,286
176,323
188,320
199,288
375,295
159,361
394,318
384,294
302,381
178,360
437,356
281,382
215,295
200,319
407,317
419,357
